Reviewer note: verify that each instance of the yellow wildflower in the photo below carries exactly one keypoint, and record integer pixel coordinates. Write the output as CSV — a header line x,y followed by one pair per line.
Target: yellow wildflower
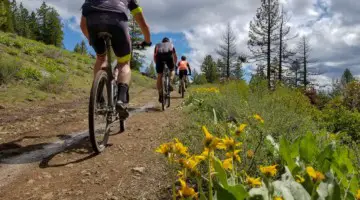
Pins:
x,y
250,154
259,118
253,182
180,174
228,164
315,175
241,129
269,170
299,179
234,155
278,198
165,149
186,191
358,195
180,148
228,143
211,142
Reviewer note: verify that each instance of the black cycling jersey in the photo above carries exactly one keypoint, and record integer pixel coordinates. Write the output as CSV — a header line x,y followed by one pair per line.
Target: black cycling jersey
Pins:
x,y
118,6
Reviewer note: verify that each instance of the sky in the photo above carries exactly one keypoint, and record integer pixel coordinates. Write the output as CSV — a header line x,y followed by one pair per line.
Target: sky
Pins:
x,y
196,27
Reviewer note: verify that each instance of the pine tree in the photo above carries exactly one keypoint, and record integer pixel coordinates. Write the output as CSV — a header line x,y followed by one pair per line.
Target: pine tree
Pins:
x,y
15,16
77,48
264,34
83,48
6,22
238,72
294,76
33,26
54,26
199,79
136,37
42,20
209,69
151,71
23,23
347,77
227,50
284,53
221,68
304,59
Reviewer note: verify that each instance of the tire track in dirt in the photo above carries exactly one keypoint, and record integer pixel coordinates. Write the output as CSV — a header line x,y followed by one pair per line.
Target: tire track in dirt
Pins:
x,y
67,169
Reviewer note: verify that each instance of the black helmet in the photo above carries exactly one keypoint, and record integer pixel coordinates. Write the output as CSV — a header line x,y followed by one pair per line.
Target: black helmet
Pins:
x,y
166,39
183,58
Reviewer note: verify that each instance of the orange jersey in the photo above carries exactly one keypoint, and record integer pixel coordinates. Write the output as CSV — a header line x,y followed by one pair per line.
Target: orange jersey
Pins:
x,y
183,65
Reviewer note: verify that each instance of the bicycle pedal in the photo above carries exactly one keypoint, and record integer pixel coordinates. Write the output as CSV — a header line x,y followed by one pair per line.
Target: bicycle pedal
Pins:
x,y
123,112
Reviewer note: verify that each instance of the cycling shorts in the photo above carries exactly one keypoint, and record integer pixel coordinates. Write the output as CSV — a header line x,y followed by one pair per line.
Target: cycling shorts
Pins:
x,y
114,23
183,73
162,59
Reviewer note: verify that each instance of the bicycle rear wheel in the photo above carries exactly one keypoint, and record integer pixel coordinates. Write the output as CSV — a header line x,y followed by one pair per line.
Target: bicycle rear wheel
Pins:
x,y
164,92
99,124
182,88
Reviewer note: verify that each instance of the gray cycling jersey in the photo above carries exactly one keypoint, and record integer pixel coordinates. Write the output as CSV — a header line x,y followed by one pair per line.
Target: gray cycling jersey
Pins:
x,y
118,6
164,48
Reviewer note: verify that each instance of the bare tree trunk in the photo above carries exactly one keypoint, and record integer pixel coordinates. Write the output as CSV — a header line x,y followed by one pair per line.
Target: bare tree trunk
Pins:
x,y
269,46
281,45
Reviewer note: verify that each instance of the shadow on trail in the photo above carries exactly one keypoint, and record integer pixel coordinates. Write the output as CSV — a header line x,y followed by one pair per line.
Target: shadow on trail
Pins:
x,y
77,143
12,153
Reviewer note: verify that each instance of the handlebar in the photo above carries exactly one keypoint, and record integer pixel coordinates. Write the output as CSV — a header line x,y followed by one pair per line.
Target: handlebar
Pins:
x,y
141,45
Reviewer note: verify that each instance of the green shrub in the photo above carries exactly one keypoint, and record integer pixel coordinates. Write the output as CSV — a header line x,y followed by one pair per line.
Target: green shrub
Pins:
x,y
9,67
13,52
53,54
18,44
55,83
30,73
336,118
29,50
52,66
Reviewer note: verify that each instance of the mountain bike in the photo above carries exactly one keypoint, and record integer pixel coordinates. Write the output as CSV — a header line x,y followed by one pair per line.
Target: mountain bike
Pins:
x,y
182,86
166,88
102,106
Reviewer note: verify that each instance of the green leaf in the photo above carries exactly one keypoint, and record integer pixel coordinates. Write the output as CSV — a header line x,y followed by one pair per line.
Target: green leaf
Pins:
x,y
308,148
334,191
238,191
222,193
220,172
285,154
325,158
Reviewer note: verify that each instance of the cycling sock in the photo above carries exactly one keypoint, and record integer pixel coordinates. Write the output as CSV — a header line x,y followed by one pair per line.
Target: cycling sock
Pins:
x,y
123,93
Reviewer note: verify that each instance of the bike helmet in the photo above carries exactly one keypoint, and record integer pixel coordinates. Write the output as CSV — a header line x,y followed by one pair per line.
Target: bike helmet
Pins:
x,y
183,58
166,40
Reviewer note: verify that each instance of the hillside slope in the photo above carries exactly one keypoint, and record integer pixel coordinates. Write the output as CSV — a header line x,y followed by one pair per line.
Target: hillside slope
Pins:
x,y
31,71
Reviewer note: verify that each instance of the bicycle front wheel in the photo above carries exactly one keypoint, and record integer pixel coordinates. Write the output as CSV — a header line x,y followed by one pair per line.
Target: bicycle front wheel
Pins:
x,y
99,124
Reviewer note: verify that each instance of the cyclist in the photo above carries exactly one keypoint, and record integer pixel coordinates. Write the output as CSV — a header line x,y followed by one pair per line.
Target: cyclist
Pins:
x,y
184,68
165,53
110,16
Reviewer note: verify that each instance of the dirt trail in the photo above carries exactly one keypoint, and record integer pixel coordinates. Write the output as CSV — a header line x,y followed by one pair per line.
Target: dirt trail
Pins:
x,y
48,155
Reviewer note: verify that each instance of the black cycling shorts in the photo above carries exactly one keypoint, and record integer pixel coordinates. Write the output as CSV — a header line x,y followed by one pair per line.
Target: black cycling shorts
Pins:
x,y
183,73
161,60
115,24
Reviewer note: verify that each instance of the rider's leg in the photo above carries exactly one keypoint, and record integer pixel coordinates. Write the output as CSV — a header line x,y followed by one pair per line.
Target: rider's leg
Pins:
x,y
159,86
101,61
123,80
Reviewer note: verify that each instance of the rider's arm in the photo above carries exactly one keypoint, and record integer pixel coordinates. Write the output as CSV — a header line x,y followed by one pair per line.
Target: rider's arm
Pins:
x,y
137,13
155,53
83,27
188,65
174,55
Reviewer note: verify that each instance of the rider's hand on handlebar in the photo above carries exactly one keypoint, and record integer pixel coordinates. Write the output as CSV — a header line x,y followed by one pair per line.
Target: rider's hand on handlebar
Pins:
x,y
142,45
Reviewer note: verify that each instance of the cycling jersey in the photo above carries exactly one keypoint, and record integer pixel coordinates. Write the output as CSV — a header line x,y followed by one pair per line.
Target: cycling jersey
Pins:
x,y
183,65
164,55
117,6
